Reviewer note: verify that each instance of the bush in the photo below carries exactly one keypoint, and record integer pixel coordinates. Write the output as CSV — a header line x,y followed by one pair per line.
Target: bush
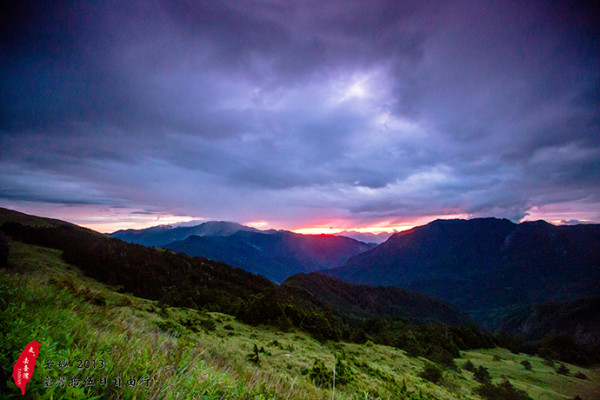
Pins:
x,y
320,375
343,372
580,375
549,362
208,324
170,326
503,391
563,369
482,375
254,357
284,323
441,356
526,364
431,372
469,366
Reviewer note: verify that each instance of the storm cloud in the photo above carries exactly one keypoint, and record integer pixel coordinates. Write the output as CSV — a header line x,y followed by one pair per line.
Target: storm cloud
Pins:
x,y
302,112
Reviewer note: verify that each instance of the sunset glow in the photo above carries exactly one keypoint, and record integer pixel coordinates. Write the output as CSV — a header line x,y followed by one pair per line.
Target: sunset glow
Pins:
x,y
379,227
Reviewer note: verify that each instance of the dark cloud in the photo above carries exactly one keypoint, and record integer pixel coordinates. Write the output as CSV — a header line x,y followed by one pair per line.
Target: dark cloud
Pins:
x,y
289,112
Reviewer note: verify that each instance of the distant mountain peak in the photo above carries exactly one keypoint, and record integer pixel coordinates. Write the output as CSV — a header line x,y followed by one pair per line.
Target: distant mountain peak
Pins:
x,y
162,234
497,262
366,237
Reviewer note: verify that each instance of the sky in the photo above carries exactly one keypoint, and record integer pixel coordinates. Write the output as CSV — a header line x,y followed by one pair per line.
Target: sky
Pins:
x,y
308,115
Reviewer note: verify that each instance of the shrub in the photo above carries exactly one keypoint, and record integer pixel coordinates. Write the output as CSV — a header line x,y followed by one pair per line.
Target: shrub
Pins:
x,y
580,375
497,357
170,326
441,356
549,362
319,374
503,391
207,324
284,323
254,357
563,369
526,364
431,372
343,371
482,374
469,366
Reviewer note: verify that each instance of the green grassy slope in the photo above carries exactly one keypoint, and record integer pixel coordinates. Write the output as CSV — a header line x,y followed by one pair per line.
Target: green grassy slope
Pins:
x,y
189,354
183,281
541,382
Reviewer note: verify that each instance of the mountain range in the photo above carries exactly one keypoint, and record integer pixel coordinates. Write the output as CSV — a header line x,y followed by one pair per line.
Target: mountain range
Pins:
x,y
366,237
313,301
97,282
528,279
163,234
365,301
487,266
276,255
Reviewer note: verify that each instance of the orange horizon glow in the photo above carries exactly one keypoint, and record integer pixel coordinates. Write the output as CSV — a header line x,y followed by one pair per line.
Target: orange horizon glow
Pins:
x,y
106,225
107,219
332,228
319,230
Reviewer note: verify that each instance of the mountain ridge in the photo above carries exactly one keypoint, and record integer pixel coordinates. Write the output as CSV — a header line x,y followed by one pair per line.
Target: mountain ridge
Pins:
x,y
366,301
277,255
156,274
485,264
163,234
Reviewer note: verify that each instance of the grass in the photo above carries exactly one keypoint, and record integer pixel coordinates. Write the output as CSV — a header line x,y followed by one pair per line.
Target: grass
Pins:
x,y
542,382
188,354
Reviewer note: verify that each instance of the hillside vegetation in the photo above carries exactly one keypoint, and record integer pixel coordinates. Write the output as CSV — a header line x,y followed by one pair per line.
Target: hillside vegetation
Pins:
x,y
579,319
186,353
180,280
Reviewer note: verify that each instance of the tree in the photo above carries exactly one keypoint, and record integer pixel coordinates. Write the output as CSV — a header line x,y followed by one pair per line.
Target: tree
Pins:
x,y
563,369
468,366
431,372
254,357
482,374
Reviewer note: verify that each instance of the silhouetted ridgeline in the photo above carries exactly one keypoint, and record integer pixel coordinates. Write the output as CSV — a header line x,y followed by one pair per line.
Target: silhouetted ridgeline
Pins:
x,y
175,279
276,255
159,235
485,266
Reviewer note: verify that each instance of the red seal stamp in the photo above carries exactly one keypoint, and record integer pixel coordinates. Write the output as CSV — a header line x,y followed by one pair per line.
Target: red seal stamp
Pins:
x,y
23,369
